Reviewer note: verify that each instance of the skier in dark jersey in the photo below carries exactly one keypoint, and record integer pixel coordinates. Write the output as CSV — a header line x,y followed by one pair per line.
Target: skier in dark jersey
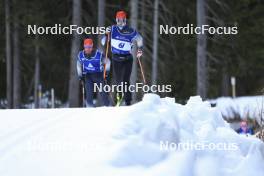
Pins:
x,y
121,41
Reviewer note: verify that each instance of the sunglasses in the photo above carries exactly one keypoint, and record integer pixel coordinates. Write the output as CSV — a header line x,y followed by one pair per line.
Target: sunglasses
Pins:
x,y
121,21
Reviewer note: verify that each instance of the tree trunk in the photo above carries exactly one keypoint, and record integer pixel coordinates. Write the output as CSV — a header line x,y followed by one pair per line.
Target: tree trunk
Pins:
x,y
225,82
134,24
143,31
37,73
155,43
142,18
16,64
101,20
73,93
100,23
201,51
9,90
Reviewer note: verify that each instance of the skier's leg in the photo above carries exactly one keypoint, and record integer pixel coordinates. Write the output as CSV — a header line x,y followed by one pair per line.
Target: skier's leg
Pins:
x,y
126,77
118,71
89,90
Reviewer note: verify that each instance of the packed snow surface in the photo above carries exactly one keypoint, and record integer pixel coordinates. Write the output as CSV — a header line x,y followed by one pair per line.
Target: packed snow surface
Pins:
x,y
245,107
155,137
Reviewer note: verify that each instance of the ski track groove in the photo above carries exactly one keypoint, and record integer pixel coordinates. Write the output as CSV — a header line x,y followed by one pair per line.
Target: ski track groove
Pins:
x,y
22,127
36,129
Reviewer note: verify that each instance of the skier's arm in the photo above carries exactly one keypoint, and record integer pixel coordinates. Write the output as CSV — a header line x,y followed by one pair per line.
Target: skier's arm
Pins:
x,y
79,69
139,40
106,62
104,38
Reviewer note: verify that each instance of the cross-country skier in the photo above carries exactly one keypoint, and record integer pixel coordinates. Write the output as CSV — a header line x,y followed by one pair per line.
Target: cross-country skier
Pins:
x,y
121,39
90,67
245,129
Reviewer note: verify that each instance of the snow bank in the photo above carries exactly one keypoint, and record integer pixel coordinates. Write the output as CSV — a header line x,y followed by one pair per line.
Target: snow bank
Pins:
x,y
246,107
155,137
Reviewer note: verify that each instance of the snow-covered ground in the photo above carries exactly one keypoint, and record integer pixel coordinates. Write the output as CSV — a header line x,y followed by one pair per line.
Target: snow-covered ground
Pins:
x,y
155,137
246,107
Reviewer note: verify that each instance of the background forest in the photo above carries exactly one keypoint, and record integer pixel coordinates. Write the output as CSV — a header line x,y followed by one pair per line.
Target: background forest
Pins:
x,y
28,61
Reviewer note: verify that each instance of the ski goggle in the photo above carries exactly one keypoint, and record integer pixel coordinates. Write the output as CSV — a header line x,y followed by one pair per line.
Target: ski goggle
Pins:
x,y
88,46
121,21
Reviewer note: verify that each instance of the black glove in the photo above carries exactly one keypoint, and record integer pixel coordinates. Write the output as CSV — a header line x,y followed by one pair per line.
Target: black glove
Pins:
x,y
107,74
139,53
81,78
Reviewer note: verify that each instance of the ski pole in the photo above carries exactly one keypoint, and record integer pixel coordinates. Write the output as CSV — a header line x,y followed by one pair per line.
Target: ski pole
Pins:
x,y
142,71
83,93
106,57
106,54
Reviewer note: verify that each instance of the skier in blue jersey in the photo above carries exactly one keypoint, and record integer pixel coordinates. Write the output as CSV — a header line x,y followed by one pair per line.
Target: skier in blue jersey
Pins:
x,y
245,129
90,67
121,38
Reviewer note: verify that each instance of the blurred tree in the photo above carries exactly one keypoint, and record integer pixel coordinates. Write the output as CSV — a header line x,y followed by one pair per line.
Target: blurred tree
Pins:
x,y
134,24
101,19
16,57
75,46
155,43
201,51
9,83
37,72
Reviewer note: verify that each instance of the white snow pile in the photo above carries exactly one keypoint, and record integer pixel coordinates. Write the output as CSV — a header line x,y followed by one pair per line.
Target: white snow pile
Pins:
x,y
155,137
246,107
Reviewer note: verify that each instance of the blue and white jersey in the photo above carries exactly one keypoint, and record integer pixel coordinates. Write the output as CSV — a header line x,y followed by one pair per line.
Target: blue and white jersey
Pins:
x,y
121,42
92,64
